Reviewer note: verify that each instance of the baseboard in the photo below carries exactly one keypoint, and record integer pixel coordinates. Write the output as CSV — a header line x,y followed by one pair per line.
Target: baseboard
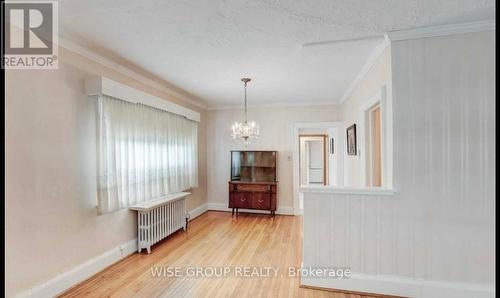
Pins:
x,y
401,286
64,281
223,207
194,213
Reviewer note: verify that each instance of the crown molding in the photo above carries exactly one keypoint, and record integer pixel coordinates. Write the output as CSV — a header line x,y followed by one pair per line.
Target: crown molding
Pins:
x,y
275,105
370,61
414,33
89,54
441,30
390,36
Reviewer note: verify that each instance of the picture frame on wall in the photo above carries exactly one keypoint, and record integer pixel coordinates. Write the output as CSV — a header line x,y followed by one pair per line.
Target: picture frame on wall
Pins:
x,y
351,140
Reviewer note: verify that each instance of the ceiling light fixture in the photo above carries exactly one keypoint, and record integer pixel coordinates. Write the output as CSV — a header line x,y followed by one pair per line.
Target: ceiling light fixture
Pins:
x,y
245,131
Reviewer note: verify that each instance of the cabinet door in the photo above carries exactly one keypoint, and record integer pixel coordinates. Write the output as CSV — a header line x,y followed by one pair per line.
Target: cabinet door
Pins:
x,y
261,201
240,200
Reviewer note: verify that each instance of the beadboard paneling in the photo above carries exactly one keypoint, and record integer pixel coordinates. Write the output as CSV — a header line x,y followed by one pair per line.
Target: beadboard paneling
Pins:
x,y
439,226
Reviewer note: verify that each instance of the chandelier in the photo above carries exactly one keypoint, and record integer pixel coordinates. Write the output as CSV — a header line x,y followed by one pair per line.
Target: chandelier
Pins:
x,y
245,131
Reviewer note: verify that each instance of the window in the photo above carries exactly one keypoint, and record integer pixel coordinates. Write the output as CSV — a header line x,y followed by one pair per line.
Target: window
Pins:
x,y
143,153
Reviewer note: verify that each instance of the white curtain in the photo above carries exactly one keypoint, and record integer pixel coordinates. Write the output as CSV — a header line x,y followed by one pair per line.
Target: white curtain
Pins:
x,y
143,153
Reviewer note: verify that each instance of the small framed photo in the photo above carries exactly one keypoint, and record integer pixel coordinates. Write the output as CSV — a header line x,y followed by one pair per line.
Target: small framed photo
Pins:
x,y
351,140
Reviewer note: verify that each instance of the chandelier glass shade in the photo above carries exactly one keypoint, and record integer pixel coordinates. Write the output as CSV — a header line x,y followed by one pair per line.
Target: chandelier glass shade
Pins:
x,y
244,132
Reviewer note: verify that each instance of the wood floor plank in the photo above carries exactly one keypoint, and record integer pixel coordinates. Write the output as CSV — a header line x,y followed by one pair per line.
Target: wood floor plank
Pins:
x,y
214,239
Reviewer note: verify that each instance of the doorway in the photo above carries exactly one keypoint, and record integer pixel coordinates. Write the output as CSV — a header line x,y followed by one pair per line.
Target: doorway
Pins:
x,y
313,159
334,151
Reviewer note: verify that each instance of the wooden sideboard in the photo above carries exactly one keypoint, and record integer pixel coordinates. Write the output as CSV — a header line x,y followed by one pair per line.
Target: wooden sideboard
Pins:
x,y
253,195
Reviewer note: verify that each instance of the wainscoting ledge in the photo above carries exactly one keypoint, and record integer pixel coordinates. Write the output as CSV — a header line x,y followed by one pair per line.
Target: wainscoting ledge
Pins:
x,y
377,191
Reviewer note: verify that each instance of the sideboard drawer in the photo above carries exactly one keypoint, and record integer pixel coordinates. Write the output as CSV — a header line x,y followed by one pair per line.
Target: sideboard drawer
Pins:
x,y
260,201
252,195
253,187
239,200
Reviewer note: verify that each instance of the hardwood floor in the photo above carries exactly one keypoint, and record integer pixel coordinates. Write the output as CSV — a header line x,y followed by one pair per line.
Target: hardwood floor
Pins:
x,y
213,239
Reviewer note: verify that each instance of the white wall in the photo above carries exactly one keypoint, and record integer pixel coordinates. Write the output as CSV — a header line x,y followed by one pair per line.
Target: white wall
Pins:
x,y
276,126
437,231
52,224
377,77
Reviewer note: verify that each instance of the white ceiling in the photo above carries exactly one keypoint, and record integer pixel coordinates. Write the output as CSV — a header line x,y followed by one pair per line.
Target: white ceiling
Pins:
x,y
205,47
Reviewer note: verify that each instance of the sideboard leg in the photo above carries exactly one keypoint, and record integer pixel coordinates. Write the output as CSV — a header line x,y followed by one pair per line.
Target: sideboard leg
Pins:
x,y
232,212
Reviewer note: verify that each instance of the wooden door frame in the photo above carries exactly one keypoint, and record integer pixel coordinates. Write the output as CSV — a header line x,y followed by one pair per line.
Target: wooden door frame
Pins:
x,y
377,99
370,144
